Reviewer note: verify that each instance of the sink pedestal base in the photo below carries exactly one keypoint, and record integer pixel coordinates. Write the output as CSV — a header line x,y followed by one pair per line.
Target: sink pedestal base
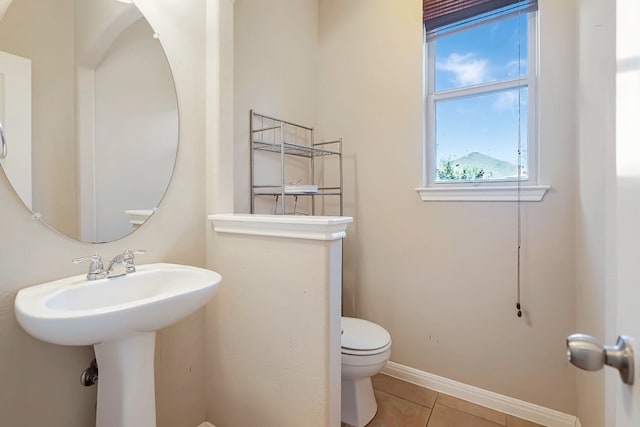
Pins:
x,y
126,388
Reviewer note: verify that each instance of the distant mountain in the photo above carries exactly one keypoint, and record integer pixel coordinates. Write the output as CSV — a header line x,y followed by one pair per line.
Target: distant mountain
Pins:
x,y
493,168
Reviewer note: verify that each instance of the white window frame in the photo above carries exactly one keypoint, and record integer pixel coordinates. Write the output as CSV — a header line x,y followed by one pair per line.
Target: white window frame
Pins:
x,y
527,188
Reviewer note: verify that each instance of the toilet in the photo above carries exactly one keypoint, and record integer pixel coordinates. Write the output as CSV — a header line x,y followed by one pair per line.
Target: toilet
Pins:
x,y
366,348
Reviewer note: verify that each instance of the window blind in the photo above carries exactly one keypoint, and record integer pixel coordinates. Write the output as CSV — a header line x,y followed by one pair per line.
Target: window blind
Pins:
x,y
447,15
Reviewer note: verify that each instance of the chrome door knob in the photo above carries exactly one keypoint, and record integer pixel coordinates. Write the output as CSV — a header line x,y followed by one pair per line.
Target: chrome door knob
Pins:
x,y
585,352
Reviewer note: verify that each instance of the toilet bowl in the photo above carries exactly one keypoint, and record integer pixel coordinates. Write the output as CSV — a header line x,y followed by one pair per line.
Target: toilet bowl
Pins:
x,y
366,348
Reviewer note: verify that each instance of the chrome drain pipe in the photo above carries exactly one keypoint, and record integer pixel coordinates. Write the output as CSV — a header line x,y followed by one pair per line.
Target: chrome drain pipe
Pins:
x,y
89,376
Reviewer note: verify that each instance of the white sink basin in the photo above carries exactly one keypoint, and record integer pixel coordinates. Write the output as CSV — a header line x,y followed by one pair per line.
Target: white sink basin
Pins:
x,y
119,317
76,311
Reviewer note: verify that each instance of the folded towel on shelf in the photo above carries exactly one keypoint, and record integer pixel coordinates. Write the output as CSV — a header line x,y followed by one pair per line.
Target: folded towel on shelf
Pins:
x,y
298,188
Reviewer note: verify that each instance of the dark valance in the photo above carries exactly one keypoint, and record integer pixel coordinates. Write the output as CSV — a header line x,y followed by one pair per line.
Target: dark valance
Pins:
x,y
443,13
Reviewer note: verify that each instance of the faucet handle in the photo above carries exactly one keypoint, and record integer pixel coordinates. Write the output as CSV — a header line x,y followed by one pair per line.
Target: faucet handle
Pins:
x,y
95,259
128,257
96,269
136,252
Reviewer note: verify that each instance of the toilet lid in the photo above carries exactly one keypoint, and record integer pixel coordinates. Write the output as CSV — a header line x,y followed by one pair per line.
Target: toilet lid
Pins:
x,y
362,335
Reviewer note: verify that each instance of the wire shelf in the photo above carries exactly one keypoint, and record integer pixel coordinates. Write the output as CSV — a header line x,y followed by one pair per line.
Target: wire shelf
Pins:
x,y
283,138
293,149
263,192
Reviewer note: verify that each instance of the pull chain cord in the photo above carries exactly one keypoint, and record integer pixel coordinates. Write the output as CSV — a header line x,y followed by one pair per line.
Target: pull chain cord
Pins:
x,y
518,284
518,305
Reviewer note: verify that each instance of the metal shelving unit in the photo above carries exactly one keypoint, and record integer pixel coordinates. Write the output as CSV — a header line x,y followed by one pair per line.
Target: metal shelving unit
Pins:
x,y
280,137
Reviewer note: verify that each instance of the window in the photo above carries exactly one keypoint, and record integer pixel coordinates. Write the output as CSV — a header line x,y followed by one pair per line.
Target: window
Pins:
x,y
480,78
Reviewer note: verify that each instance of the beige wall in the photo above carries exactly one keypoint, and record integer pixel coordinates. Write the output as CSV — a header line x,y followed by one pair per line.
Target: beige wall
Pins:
x,y
275,73
403,257
268,338
596,177
40,383
261,307
441,277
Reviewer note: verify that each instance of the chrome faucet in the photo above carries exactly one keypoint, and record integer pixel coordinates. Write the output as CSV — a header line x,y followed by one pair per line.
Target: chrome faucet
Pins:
x,y
120,265
96,270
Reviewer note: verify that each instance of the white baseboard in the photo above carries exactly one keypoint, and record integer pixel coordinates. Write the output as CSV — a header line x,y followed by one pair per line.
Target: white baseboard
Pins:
x,y
206,424
517,408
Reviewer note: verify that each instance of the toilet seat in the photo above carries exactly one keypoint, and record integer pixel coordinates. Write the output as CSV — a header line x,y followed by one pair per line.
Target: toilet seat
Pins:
x,y
363,338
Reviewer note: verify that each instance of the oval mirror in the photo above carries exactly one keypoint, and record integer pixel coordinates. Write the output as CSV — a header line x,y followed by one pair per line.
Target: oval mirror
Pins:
x,y
89,112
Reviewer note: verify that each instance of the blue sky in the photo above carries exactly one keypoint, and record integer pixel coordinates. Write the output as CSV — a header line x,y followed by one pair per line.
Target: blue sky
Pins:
x,y
487,124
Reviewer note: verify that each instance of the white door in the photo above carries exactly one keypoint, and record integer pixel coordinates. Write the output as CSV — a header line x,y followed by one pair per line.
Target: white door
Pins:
x,y
625,401
15,115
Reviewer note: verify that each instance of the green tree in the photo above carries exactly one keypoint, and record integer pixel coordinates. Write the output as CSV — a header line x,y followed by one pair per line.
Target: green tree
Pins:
x,y
448,171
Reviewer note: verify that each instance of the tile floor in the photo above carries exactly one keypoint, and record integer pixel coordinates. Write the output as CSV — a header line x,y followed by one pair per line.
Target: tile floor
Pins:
x,y
401,404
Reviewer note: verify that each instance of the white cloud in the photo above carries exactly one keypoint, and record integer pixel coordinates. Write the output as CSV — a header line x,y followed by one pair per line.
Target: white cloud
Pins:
x,y
513,67
506,101
467,69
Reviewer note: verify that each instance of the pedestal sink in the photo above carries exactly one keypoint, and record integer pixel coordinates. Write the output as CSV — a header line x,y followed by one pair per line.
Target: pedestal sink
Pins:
x,y
119,317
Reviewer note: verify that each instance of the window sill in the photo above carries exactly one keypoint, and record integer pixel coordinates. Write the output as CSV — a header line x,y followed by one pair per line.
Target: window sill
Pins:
x,y
528,193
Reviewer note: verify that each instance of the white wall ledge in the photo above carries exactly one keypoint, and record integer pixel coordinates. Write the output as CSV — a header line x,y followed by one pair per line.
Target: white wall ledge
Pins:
x,y
287,226
138,216
528,193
